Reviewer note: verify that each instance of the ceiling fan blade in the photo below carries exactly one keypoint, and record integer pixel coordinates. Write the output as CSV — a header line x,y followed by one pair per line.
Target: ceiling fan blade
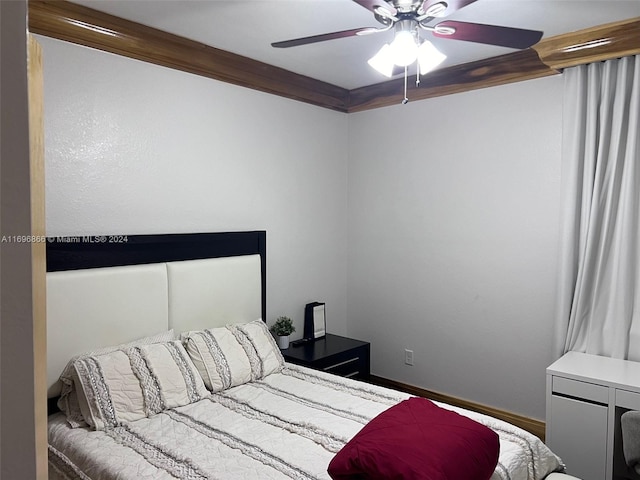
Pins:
x,y
373,5
323,37
449,6
489,34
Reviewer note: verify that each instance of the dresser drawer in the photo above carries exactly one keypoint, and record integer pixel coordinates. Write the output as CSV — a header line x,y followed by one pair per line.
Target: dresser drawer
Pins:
x,y
344,363
352,367
627,399
333,354
582,390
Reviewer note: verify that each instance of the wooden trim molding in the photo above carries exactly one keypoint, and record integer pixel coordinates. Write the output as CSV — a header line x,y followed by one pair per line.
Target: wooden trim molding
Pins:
x,y
591,45
79,24
531,425
85,26
38,253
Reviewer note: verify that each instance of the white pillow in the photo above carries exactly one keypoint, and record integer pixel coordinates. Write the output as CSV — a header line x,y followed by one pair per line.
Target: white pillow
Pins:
x,y
219,357
269,355
136,382
68,401
234,354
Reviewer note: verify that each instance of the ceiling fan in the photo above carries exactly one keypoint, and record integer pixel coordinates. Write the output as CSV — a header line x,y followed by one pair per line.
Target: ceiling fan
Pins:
x,y
410,18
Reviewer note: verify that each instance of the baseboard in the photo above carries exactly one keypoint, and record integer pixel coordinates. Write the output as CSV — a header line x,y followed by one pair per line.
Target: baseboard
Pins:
x,y
532,425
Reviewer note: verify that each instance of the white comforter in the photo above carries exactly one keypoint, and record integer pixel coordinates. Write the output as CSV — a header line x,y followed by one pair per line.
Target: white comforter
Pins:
x,y
288,425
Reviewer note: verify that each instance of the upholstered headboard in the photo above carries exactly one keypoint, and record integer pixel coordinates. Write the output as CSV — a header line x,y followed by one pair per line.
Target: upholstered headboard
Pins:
x,y
105,291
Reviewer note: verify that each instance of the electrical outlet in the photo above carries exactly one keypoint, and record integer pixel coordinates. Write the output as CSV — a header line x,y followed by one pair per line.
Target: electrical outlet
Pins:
x,y
408,357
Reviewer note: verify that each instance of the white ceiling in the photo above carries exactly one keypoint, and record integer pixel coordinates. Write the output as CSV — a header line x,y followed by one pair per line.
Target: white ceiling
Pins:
x,y
247,27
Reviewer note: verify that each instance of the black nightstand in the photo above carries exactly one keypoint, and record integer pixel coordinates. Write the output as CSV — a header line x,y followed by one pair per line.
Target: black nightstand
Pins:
x,y
334,354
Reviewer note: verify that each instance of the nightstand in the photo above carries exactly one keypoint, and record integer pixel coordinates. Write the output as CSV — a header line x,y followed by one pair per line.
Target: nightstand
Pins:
x,y
333,354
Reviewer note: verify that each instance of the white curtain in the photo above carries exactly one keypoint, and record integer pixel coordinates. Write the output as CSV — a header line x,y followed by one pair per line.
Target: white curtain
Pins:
x,y
599,290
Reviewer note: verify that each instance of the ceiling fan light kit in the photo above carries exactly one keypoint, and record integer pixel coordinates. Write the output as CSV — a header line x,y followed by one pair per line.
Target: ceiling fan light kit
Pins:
x,y
405,49
409,18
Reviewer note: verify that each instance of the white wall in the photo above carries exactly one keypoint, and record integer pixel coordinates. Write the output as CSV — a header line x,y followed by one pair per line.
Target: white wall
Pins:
x,y
136,148
453,231
17,394
452,222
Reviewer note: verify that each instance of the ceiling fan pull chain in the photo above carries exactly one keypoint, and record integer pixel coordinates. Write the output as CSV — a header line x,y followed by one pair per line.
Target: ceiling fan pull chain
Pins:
x,y
405,100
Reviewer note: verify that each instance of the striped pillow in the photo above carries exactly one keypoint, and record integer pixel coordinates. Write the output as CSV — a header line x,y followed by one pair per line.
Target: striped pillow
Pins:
x,y
270,358
233,355
68,403
136,382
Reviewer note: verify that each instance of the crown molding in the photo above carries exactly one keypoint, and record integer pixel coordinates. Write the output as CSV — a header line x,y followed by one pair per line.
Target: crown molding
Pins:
x,y
85,26
612,40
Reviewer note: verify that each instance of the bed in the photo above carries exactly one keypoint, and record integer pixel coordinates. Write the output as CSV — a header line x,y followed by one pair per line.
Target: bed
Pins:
x,y
163,368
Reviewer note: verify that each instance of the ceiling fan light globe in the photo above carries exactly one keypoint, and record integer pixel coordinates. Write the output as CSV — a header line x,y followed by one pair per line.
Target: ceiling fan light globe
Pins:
x,y
429,57
383,61
404,49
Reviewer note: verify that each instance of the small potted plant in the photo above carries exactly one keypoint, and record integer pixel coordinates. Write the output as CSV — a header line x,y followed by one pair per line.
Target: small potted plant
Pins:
x,y
282,329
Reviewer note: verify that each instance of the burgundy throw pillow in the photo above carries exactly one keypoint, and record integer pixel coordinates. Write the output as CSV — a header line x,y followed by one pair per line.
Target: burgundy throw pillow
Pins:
x,y
416,439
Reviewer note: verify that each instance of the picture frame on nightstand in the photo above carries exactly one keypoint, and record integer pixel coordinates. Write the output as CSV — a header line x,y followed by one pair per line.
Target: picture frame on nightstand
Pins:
x,y
315,321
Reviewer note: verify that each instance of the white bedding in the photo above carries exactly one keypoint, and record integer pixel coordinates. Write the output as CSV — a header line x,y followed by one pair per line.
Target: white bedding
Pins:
x,y
288,425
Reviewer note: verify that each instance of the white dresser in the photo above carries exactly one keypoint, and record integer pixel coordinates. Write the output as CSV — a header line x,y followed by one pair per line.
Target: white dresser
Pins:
x,y
586,394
